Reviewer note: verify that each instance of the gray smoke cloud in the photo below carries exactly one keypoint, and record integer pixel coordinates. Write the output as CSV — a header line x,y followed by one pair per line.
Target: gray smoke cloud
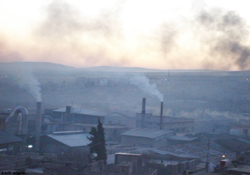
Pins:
x,y
227,34
167,36
143,83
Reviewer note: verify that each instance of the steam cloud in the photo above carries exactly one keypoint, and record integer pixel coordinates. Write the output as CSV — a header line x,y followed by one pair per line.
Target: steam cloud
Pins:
x,y
29,82
143,83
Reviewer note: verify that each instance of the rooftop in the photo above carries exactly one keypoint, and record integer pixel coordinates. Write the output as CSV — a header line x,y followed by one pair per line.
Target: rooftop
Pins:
x,y
104,126
71,140
146,133
182,138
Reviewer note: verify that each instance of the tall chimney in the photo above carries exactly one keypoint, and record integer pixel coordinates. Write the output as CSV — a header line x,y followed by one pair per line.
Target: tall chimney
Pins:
x,y
38,124
161,117
143,112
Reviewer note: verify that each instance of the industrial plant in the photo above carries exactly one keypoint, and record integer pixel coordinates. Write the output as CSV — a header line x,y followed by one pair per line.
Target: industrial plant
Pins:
x,y
56,141
124,123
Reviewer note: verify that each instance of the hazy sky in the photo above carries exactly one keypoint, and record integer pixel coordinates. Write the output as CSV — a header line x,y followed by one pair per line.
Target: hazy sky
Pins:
x,y
180,34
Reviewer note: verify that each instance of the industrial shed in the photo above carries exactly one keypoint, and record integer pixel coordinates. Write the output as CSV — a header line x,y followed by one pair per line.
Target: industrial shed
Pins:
x,y
90,116
70,144
145,137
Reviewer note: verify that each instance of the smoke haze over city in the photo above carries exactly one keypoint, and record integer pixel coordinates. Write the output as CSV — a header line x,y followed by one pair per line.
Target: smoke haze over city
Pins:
x,y
151,34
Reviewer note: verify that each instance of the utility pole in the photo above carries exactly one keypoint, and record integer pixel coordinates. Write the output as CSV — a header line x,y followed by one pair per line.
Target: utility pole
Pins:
x,y
208,155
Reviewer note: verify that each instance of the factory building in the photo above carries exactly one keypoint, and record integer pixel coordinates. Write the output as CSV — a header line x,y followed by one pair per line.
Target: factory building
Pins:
x,y
89,116
179,125
66,144
112,132
150,121
145,137
22,124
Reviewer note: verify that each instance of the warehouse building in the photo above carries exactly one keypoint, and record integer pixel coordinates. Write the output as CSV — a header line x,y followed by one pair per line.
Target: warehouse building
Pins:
x,y
66,144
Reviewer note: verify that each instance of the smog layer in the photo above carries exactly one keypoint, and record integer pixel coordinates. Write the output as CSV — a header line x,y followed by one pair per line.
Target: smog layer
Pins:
x,y
185,93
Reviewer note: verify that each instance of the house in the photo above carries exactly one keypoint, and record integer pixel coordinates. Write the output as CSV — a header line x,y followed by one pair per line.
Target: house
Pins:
x,y
145,137
67,144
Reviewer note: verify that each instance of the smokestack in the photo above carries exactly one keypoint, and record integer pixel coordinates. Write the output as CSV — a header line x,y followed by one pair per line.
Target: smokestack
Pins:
x,y
68,110
143,112
38,124
161,116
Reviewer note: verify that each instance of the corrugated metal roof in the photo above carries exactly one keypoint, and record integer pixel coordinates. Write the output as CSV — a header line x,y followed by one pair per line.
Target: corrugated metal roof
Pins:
x,y
6,137
72,140
147,133
79,110
104,126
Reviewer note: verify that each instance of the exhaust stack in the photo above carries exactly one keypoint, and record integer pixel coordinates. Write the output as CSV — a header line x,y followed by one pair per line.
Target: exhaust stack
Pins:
x,y
143,112
161,117
38,124
68,111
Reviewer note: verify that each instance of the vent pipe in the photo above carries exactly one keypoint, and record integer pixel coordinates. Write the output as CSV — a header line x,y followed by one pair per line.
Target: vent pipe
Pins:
x,y
161,117
38,124
143,112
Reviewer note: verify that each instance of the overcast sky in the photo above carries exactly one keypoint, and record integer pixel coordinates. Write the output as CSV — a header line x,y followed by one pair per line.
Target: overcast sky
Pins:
x,y
179,34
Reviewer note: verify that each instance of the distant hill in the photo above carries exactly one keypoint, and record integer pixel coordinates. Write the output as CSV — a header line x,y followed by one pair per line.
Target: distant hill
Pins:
x,y
137,69
35,66
46,66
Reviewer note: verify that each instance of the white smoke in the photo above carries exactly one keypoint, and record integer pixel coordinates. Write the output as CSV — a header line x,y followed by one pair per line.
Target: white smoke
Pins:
x,y
29,82
207,113
143,83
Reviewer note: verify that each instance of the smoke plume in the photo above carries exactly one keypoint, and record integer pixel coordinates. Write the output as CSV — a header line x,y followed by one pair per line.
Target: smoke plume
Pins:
x,y
31,84
142,82
227,37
